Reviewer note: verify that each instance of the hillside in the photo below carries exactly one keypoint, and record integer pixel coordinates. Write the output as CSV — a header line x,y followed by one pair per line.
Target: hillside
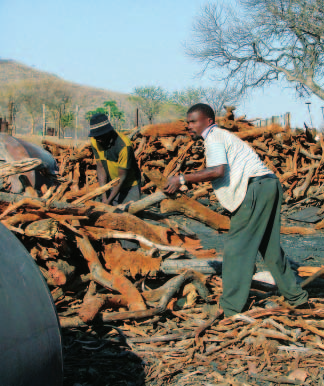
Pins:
x,y
87,98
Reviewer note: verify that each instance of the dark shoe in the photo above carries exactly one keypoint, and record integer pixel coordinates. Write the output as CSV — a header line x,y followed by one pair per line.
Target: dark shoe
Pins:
x,y
305,306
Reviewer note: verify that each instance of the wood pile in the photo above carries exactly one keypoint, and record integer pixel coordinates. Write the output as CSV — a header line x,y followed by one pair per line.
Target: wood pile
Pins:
x,y
166,321
295,157
75,241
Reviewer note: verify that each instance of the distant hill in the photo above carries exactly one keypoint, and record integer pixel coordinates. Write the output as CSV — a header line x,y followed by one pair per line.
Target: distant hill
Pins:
x,y
11,71
88,98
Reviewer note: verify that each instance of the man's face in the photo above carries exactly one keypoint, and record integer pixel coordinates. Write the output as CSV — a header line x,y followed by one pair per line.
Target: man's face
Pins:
x,y
197,123
106,140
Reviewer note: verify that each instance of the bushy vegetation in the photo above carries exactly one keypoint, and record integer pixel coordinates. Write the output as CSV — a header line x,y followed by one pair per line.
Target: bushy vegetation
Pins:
x,y
66,104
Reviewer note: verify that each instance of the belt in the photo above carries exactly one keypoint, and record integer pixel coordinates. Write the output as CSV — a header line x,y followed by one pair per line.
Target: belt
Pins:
x,y
259,178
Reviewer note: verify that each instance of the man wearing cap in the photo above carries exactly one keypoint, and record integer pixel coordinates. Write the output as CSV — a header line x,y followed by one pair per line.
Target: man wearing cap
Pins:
x,y
253,194
115,158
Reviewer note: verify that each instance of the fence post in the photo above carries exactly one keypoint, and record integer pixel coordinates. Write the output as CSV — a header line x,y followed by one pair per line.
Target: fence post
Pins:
x,y
287,120
44,119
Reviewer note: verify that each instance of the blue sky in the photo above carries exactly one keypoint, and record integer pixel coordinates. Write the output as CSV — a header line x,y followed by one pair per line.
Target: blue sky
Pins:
x,y
119,45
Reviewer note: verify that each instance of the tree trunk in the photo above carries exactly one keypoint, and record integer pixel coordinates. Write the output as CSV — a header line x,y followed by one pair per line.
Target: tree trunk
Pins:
x,y
315,88
33,125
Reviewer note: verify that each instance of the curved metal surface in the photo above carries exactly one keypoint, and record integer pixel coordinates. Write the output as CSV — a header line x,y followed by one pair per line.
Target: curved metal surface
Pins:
x,y
12,150
15,149
35,151
30,339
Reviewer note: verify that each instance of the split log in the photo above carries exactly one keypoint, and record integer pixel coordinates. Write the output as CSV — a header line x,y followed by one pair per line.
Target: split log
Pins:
x,y
315,275
297,231
97,192
128,223
301,190
20,200
165,129
101,233
197,211
204,266
258,132
102,277
188,206
21,219
180,158
146,202
17,167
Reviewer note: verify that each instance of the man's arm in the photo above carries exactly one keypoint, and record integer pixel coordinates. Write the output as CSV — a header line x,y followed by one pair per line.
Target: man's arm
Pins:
x,y
122,174
102,178
208,174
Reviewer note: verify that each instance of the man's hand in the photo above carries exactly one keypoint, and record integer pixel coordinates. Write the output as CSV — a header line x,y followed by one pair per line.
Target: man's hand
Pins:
x,y
173,184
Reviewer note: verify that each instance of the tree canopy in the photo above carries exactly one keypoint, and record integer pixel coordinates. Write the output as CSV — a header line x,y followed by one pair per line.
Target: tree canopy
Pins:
x,y
111,109
262,41
213,96
149,99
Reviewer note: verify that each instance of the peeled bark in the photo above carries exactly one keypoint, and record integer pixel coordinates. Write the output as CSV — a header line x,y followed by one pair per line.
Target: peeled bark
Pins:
x,y
197,211
188,206
101,276
165,129
258,132
128,223
130,263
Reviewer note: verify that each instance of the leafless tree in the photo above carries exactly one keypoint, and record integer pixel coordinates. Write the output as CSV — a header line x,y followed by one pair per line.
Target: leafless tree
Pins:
x,y
263,41
217,99
213,96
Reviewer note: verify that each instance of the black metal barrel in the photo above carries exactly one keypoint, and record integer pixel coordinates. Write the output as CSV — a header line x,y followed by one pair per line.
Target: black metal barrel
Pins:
x,y
30,339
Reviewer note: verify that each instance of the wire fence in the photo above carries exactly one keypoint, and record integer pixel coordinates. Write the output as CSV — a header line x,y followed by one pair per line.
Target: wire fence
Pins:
x,y
282,120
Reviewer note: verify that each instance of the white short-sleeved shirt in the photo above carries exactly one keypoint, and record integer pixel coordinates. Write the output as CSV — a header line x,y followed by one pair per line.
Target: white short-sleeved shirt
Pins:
x,y
240,160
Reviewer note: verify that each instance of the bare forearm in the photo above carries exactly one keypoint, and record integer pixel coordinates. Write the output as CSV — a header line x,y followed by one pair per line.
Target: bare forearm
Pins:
x,y
115,190
102,179
102,175
122,174
208,174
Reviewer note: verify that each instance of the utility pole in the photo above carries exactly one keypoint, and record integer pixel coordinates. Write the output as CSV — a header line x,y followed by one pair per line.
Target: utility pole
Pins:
x,y
76,121
44,119
137,121
11,116
310,115
109,112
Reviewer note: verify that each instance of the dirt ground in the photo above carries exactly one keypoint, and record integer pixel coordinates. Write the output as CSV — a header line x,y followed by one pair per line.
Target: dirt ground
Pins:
x,y
304,250
92,359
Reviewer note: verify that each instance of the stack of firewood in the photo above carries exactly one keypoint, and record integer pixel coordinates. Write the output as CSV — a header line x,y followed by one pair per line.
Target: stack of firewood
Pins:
x,y
295,157
75,241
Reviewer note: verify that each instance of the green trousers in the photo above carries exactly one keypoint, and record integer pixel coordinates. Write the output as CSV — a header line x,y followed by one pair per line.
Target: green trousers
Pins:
x,y
255,226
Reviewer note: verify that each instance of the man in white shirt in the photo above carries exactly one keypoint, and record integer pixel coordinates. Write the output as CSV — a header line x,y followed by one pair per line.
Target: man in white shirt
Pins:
x,y
253,194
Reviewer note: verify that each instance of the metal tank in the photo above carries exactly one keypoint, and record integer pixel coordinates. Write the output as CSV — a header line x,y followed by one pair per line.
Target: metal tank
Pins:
x,y
30,339
15,149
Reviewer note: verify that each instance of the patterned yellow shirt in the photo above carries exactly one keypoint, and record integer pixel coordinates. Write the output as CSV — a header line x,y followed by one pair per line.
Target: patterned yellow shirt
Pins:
x,y
119,156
